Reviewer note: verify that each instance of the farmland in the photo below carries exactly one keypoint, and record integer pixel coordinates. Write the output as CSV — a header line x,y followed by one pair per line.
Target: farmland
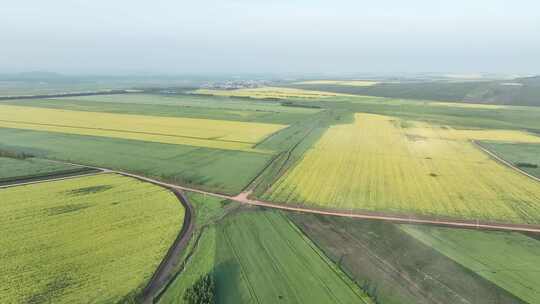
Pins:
x,y
269,152
200,254
399,267
96,238
315,149
467,105
268,263
17,169
442,91
220,170
182,105
458,116
509,260
270,93
27,87
375,164
423,130
211,168
187,131
524,156
523,92
191,101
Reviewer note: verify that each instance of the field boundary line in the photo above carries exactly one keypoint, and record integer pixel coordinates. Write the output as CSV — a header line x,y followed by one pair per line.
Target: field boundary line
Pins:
x,y
501,160
55,179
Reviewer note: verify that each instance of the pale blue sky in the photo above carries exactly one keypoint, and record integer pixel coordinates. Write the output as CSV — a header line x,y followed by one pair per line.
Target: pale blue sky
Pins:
x,y
238,36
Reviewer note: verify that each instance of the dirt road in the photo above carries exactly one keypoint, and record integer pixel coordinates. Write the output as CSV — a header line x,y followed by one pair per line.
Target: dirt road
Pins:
x,y
168,266
244,199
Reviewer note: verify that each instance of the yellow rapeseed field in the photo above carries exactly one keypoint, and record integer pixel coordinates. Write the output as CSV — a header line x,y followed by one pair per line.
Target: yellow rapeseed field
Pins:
x,y
84,240
378,164
209,133
271,92
445,132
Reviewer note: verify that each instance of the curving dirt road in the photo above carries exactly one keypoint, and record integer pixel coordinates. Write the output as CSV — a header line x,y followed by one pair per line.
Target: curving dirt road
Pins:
x,y
166,269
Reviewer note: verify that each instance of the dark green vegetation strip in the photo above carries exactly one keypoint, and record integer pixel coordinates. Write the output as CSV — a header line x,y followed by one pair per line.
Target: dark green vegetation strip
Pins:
x,y
16,170
211,169
202,292
189,106
400,268
47,176
524,91
260,257
524,156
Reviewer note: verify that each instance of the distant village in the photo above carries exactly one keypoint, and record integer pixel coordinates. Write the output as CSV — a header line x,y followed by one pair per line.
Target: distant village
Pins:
x,y
235,84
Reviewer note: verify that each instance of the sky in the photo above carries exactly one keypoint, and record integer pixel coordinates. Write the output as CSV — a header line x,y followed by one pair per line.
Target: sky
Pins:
x,y
279,36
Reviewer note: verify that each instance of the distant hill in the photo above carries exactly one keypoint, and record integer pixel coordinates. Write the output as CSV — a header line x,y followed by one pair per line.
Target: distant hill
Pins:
x,y
520,91
535,80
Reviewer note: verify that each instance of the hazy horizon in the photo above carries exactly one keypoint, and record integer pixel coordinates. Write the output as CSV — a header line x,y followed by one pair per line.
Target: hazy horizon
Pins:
x,y
171,37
